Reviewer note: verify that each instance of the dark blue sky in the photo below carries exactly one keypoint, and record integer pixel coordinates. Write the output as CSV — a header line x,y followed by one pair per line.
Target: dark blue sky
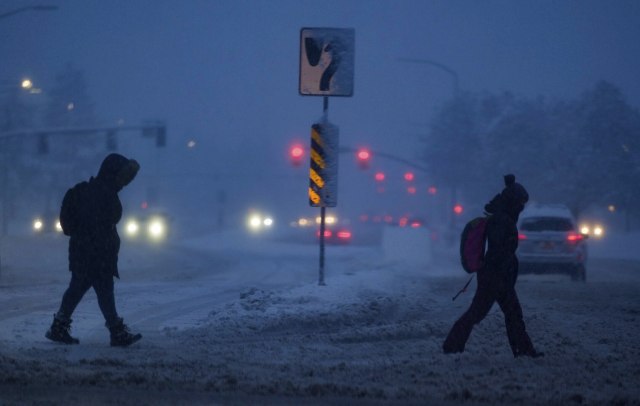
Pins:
x,y
226,72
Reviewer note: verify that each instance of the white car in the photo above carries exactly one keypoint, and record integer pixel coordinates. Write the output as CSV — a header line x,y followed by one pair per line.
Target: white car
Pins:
x,y
549,241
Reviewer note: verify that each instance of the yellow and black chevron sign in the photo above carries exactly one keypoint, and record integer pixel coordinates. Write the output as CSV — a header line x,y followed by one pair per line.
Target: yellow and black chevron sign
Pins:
x,y
323,170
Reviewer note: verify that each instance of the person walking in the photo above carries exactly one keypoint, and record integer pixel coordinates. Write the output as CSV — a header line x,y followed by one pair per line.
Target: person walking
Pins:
x,y
89,214
497,279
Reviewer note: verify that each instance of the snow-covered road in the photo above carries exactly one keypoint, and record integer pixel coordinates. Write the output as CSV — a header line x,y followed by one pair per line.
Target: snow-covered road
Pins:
x,y
229,321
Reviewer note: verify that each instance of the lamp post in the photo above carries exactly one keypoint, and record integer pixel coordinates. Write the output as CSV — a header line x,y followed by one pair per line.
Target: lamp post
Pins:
x,y
443,67
27,85
456,92
41,7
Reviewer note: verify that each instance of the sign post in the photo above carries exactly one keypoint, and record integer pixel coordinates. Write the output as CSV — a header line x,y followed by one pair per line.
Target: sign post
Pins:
x,y
326,69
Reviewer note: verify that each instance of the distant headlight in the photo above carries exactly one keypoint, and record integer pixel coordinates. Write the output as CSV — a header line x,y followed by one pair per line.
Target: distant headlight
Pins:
x,y
156,228
38,225
257,222
598,231
132,228
58,226
594,230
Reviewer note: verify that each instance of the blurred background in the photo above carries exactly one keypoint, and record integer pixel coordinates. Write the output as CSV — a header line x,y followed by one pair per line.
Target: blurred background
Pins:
x,y
449,97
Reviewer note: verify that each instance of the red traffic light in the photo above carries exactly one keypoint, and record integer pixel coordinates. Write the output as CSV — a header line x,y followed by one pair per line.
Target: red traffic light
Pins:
x,y
296,153
409,176
457,209
363,156
379,176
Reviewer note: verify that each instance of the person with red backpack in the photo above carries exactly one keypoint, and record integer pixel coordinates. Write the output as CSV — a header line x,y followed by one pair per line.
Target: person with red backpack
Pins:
x,y
497,277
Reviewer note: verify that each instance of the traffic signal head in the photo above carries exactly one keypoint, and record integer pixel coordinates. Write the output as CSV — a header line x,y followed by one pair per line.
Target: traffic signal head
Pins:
x,y
457,209
43,144
161,136
296,154
363,157
112,142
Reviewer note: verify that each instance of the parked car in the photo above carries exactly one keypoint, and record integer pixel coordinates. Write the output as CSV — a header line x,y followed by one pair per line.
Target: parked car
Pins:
x,y
550,242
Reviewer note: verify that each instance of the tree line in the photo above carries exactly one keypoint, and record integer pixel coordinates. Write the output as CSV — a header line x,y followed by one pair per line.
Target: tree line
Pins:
x,y
583,152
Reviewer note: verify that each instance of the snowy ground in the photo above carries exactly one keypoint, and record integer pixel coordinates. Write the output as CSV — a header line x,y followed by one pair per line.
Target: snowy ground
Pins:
x,y
229,321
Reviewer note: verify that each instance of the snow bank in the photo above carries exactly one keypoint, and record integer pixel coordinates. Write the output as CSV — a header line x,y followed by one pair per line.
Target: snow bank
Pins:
x,y
269,334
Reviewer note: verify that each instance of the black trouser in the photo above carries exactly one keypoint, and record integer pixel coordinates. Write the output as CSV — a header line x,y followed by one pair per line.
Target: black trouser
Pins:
x,y
492,288
79,285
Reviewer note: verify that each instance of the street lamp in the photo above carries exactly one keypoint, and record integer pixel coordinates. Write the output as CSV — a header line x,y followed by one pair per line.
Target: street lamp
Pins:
x,y
25,85
41,7
443,67
456,92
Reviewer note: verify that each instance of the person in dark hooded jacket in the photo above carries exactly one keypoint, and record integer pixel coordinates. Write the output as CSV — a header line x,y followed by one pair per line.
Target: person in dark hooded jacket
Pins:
x,y
89,214
497,279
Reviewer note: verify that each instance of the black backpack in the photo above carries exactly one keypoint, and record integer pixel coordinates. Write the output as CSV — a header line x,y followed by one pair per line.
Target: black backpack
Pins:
x,y
71,209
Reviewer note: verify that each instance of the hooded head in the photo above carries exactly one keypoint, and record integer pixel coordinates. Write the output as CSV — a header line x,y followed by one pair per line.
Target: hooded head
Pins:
x,y
511,200
117,171
514,196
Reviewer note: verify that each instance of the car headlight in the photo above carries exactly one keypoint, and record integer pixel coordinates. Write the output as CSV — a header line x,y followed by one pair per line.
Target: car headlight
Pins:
x,y
594,230
38,225
254,222
598,231
257,222
132,227
156,228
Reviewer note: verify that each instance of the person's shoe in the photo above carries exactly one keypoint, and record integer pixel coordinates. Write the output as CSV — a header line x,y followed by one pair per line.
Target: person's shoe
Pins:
x,y
120,335
59,332
532,354
449,349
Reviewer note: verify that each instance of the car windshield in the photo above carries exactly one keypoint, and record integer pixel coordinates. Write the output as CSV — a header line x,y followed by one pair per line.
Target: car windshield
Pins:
x,y
546,224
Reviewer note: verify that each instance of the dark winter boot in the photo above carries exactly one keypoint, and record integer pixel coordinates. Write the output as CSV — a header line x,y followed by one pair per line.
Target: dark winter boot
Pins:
x,y
120,335
531,353
59,331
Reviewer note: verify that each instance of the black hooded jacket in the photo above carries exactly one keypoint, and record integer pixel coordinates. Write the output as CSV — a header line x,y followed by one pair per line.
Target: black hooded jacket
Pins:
x,y
502,231
89,214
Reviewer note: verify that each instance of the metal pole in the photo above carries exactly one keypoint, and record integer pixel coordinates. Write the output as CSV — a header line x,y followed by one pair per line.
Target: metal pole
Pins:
x,y
321,278
456,94
27,8
325,114
453,73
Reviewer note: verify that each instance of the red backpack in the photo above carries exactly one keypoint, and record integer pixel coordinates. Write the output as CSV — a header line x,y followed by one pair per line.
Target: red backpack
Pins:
x,y
473,242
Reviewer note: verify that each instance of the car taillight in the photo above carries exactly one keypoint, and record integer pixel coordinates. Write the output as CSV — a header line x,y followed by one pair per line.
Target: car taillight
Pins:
x,y
415,224
522,236
344,234
327,233
574,237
